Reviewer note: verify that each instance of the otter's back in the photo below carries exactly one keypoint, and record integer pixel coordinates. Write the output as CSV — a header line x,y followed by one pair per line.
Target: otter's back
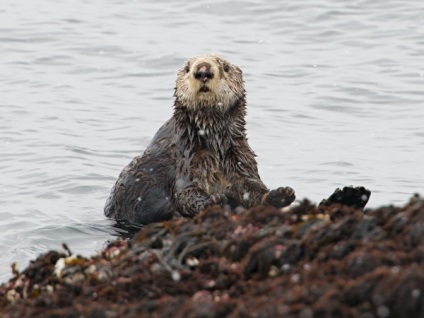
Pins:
x,y
142,192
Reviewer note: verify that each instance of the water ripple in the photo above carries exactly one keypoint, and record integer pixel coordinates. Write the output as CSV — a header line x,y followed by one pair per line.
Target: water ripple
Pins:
x,y
334,92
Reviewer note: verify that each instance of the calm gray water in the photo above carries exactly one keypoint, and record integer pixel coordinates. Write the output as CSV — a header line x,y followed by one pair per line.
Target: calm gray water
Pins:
x,y
335,96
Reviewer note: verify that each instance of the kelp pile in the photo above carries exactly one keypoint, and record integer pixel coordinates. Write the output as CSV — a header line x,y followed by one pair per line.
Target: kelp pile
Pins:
x,y
305,261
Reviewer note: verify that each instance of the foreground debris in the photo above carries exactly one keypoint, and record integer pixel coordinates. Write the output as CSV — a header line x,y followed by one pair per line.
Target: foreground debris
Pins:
x,y
305,262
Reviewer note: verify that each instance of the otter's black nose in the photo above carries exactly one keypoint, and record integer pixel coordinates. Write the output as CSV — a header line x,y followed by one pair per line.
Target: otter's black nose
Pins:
x,y
203,73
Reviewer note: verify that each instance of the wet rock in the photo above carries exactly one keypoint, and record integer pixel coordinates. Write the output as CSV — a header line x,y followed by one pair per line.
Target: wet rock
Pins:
x,y
305,261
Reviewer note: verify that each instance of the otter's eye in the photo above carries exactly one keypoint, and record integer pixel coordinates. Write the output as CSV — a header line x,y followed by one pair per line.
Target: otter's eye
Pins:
x,y
187,69
226,67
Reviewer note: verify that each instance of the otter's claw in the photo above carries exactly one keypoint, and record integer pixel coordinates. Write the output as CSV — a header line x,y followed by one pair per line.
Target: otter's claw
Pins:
x,y
281,197
355,197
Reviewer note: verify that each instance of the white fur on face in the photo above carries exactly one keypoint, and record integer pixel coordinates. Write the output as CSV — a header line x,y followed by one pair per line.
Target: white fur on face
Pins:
x,y
225,88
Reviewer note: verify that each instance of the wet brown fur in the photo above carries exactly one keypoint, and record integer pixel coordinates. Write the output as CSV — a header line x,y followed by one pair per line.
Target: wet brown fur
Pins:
x,y
200,156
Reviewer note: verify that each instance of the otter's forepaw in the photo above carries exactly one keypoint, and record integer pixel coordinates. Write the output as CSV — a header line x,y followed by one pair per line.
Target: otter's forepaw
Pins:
x,y
355,197
217,198
192,201
280,197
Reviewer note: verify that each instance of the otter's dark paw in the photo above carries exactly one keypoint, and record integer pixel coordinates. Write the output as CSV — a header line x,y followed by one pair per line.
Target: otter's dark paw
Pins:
x,y
217,198
280,197
355,197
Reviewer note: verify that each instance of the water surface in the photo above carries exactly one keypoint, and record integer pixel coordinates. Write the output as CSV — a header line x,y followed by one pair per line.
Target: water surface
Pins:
x,y
335,97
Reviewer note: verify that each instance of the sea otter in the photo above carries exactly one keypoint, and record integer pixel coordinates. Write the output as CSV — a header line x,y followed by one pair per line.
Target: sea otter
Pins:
x,y
200,156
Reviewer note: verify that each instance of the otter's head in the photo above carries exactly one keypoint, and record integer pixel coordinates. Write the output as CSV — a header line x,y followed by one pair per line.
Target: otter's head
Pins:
x,y
209,81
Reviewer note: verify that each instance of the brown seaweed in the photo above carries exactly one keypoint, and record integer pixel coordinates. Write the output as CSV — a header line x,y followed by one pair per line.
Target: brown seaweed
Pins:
x,y
306,261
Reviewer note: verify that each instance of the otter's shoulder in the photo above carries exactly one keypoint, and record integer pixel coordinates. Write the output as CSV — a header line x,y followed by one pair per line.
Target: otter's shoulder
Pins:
x,y
164,132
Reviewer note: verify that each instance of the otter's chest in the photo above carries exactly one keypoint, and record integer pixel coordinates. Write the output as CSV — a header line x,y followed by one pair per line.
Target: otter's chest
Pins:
x,y
208,159
215,171
217,182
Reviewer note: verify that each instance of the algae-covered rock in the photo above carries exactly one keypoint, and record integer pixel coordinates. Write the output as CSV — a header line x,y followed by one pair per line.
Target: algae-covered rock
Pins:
x,y
305,261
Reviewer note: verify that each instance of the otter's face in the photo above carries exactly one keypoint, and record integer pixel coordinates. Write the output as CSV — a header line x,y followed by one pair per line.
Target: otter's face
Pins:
x,y
209,81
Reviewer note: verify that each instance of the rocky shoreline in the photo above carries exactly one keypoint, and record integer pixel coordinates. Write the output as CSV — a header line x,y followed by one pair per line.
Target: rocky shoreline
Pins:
x,y
306,261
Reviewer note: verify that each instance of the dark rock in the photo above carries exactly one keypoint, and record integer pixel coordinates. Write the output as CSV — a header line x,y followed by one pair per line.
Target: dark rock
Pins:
x,y
306,261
